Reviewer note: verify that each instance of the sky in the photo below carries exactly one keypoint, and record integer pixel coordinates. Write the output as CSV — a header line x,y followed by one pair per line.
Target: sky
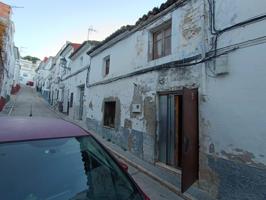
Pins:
x,y
43,26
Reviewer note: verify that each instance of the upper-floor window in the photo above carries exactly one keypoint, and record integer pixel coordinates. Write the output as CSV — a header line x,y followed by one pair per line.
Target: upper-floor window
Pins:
x,y
162,42
81,60
106,65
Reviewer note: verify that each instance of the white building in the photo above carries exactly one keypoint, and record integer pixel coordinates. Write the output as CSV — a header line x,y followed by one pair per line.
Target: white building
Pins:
x,y
64,72
79,67
7,57
184,89
43,76
27,71
17,67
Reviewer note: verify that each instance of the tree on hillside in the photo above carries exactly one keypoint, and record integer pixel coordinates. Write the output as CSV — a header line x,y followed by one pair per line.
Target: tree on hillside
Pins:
x,y
31,58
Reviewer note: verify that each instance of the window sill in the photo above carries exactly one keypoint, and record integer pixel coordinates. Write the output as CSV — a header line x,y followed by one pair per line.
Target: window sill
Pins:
x,y
169,168
108,127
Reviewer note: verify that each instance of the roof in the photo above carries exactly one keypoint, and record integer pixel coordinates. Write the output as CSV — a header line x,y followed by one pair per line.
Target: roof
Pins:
x,y
91,42
4,10
140,22
75,46
14,129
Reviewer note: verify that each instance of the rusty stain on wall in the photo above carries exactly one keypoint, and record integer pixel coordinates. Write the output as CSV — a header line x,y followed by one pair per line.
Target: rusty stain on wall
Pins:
x,y
242,156
209,180
190,26
128,124
150,115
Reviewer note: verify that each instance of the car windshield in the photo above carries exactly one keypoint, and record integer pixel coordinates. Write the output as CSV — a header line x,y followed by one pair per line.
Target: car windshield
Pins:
x,y
62,169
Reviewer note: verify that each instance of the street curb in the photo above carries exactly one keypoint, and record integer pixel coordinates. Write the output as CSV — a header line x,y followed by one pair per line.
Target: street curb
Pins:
x,y
12,107
153,176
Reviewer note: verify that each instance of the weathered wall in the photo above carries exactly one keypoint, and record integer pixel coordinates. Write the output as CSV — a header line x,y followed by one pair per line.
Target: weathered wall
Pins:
x,y
232,115
136,132
80,61
132,53
232,112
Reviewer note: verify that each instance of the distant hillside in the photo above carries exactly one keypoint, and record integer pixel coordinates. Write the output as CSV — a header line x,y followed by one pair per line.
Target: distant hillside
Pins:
x,y
31,58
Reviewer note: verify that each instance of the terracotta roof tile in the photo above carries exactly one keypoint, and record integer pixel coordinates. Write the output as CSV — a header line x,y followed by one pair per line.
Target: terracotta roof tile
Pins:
x,y
75,46
139,22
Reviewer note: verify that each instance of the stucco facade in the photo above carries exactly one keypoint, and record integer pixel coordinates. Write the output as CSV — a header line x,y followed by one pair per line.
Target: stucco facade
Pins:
x,y
8,58
197,111
229,81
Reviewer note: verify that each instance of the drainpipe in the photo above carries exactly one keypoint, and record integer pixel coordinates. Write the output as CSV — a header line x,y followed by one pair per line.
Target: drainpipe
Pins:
x,y
204,44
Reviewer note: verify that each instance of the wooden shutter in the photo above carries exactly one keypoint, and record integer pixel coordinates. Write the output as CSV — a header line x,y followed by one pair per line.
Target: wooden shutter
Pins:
x,y
190,144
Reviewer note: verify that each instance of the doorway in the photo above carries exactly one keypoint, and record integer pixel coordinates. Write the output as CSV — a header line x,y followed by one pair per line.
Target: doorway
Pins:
x,y
81,101
170,129
178,144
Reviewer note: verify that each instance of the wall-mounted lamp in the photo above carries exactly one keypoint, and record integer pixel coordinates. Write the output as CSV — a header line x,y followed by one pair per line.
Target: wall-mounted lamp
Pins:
x,y
63,63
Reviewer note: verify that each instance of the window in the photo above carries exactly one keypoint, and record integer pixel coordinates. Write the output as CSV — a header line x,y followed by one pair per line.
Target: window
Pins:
x,y
81,60
106,62
109,114
71,100
162,42
25,75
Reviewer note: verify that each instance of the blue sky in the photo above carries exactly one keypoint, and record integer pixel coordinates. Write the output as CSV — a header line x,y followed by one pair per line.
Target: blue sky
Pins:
x,y
43,26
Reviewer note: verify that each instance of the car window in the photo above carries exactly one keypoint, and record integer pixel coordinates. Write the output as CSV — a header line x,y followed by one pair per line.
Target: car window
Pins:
x,y
62,169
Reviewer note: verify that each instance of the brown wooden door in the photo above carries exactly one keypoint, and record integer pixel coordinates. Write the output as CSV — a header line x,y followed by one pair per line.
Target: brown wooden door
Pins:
x,y
190,144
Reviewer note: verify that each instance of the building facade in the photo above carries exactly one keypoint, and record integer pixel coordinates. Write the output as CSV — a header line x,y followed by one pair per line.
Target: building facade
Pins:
x,y
182,89
173,89
8,60
27,71
77,79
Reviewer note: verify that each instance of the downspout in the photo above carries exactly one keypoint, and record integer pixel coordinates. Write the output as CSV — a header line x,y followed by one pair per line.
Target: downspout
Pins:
x,y
204,52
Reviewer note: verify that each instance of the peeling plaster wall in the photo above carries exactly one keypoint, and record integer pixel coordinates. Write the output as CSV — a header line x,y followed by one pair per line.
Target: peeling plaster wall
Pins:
x,y
231,107
132,53
137,131
233,126
232,112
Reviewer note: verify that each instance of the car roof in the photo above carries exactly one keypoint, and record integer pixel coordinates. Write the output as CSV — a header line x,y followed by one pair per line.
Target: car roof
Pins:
x,y
14,129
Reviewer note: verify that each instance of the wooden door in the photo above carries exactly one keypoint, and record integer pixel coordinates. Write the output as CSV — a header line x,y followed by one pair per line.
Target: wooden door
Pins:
x,y
190,144
81,102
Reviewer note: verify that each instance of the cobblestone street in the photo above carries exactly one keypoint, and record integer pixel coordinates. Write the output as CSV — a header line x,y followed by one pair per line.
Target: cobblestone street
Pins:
x,y
28,102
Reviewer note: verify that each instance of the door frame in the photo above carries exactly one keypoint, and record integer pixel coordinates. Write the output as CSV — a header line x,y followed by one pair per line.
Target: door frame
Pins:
x,y
179,93
156,146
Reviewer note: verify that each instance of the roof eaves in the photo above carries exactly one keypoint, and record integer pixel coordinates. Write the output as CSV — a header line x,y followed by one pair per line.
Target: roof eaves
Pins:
x,y
78,49
143,21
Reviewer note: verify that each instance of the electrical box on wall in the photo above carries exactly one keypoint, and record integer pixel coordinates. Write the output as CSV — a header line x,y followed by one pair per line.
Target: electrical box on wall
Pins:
x,y
136,108
221,65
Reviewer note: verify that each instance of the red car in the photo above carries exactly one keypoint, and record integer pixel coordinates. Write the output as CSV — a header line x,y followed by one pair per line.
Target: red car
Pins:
x,y
51,159
30,83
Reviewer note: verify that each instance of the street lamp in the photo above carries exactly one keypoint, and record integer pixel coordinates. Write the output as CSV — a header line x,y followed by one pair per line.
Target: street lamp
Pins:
x,y
63,63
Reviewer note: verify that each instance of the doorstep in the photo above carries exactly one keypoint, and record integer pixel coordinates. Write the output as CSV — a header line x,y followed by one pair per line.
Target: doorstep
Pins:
x,y
167,177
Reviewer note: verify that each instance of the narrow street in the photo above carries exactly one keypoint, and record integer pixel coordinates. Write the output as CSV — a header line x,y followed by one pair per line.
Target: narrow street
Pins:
x,y
28,102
